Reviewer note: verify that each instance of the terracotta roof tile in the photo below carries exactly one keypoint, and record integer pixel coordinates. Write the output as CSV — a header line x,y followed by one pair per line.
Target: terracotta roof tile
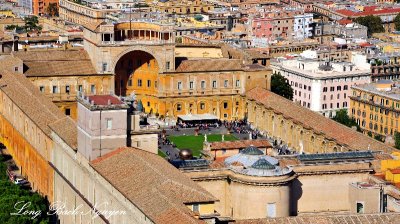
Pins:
x,y
330,129
209,65
103,100
56,63
152,184
30,100
387,218
240,144
66,129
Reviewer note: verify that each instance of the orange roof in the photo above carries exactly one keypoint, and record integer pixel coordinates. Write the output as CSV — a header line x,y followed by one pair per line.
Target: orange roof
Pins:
x,y
345,21
240,144
330,129
395,171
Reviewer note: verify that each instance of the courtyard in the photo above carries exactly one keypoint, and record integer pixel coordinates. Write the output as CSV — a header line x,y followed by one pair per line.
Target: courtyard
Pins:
x,y
195,143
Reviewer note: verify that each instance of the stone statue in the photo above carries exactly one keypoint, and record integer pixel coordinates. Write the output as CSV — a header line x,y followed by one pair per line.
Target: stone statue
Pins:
x,y
205,137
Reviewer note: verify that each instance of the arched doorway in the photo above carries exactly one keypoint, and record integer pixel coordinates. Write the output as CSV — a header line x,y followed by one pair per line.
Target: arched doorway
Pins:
x,y
136,71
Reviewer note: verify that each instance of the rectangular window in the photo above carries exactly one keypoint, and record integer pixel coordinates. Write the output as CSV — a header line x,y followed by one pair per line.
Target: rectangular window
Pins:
x,y
93,89
203,84
345,87
148,83
168,65
191,85
80,88
67,89
139,82
271,210
55,89
226,83
109,124
68,112
130,82
225,105
214,84
196,208
325,89
237,83
41,88
104,67
332,88
179,85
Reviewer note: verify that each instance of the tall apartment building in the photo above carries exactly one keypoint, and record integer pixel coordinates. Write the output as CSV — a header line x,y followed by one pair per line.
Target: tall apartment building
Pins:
x,y
376,107
323,86
282,24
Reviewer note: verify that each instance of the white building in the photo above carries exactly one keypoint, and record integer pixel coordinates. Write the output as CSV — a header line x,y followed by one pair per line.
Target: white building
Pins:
x,y
321,86
301,26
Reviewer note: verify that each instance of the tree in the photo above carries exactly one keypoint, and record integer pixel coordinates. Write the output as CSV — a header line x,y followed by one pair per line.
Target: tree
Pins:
x,y
373,23
397,140
396,22
32,24
343,118
198,18
10,194
280,85
52,9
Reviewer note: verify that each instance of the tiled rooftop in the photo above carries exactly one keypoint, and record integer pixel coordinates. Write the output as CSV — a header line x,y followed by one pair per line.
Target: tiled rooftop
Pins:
x,y
240,144
56,63
312,120
386,218
152,184
209,65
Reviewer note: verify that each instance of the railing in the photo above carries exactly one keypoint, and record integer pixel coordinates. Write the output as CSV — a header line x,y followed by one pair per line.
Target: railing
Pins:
x,y
131,42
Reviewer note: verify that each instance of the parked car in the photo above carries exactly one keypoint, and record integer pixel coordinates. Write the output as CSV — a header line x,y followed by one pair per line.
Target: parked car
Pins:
x,y
20,181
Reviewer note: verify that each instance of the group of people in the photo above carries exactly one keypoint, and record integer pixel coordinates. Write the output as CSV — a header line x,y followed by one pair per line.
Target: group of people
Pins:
x,y
200,126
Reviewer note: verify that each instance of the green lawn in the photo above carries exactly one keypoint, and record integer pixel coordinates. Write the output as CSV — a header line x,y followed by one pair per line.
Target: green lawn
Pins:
x,y
161,153
195,143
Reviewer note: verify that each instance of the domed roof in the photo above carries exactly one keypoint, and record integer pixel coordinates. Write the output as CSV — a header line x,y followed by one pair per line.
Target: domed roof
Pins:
x,y
252,150
263,164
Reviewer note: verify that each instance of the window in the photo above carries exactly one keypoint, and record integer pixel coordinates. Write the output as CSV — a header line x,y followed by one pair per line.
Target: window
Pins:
x,y
179,85
104,67
168,65
226,83
67,111
214,84
41,88
139,82
196,207
338,88
237,83
67,89
345,87
360,207
16,69
80,88
332,88
178,107
155,84
148,104
109,124
202,106
325,89
55,89
148,83
93,89
191,85
225,105
324,97
130,82
271,210
203,84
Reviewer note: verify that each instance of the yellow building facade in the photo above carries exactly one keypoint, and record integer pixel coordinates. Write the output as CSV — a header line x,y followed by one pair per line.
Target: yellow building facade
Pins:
x,y
376,108
143,59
